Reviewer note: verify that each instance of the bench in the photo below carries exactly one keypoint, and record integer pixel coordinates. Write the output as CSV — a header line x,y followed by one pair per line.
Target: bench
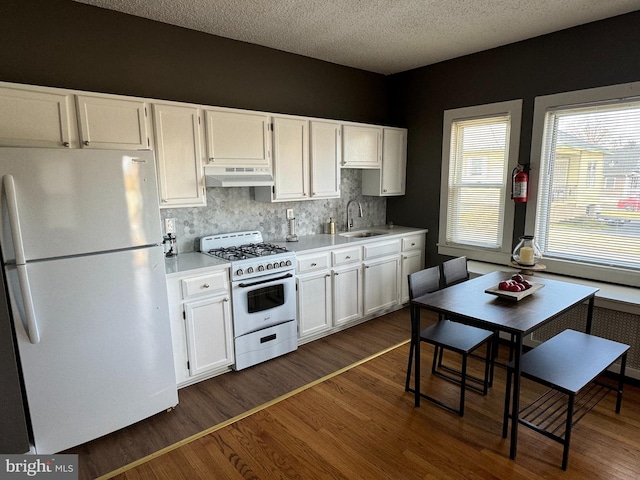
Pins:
x,y
569,364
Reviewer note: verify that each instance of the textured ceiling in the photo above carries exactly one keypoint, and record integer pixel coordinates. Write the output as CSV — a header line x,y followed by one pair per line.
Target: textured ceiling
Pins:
x,y
382,36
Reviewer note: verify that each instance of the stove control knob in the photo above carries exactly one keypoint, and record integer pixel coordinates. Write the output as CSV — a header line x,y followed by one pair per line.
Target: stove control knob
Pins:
x,y
261,268
288,263
250,270
269,266
239,272
282,264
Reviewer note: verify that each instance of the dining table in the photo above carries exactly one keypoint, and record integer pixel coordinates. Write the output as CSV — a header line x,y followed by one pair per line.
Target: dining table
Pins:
x,y
516,315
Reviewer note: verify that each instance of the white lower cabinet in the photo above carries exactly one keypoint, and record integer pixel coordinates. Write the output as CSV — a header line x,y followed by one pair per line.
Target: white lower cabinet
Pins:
x,y
313,283
347,294
381,284
381,275
412,261
314,303
344,286
201,325
208,326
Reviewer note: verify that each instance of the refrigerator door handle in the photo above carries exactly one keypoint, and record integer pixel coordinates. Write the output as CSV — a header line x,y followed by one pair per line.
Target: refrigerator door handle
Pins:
x,y
23,276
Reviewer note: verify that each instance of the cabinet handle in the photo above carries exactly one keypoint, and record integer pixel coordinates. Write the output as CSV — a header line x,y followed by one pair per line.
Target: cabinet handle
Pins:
x,y
348,257
226,299
65,144
413,244
384,190
314,264
206,285
211,160
86,142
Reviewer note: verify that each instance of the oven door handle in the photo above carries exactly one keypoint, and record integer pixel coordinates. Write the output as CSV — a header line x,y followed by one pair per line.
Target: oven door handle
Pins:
x,y
245,285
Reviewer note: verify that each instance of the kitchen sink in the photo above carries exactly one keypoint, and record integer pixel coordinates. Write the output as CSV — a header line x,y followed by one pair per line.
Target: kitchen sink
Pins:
x,y
361,234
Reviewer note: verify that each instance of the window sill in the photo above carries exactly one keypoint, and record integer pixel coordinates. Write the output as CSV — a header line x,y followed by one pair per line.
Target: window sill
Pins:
x,y
613,297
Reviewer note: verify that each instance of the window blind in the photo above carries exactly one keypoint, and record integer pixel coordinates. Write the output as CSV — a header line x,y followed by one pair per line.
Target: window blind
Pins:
x,y
477,180
588,206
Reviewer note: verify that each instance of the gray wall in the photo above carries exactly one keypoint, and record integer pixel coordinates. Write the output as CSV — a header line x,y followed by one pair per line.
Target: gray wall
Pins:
x,y
592,55
65,44
62,43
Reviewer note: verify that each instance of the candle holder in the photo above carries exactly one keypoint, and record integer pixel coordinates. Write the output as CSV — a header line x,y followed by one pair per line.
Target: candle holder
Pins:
x,y
527,254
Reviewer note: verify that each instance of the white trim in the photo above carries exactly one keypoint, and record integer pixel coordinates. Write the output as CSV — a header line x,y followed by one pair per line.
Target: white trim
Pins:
x,y
513,108
544,104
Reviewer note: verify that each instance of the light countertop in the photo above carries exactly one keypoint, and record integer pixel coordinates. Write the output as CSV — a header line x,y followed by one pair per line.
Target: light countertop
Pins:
x,y
324,241
191,262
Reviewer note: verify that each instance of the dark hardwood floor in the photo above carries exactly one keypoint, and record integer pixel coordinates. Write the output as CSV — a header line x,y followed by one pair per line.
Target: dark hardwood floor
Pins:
x,y
214,401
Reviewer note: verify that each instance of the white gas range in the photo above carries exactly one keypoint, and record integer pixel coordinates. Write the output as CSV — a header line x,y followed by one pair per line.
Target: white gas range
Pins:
x,y
262,293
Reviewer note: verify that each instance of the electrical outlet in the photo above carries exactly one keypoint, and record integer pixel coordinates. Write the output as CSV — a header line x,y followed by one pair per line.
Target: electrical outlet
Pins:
x,y
289,213
169,225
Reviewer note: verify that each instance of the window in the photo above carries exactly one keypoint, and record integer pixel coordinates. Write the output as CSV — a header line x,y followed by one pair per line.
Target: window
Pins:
x,y
585,209
479,152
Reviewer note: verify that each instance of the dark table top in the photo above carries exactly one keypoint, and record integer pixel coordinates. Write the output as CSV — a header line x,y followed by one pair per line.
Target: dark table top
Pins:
x,y
468,301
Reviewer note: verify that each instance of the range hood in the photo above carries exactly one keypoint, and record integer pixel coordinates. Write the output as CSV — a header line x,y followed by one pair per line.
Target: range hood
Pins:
x,y
238,176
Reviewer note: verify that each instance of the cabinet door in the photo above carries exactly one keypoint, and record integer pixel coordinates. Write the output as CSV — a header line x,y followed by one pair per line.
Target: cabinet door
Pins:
x,y
391,178
32,118
411,263
394,161
314,303
112,123
381,284
325,157
347,294
238,139
209,334
177,138
361,146
291,158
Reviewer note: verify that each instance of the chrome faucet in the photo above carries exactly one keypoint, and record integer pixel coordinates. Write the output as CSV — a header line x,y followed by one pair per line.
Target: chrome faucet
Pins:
x,y
350,222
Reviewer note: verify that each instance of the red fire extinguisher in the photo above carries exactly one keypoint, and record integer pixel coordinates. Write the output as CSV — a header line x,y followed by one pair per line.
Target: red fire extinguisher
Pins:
x,y
519,184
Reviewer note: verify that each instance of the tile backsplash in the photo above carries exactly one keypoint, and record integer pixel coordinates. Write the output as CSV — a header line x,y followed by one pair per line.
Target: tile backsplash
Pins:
x,y
234,209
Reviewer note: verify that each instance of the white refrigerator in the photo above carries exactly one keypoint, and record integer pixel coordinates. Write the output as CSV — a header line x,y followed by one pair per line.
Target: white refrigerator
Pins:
x,y
84,269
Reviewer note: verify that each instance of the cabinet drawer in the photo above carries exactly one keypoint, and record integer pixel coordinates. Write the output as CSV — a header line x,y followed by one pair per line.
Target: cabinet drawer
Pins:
x,y
313,262
413,242
212,283
381,249
346,256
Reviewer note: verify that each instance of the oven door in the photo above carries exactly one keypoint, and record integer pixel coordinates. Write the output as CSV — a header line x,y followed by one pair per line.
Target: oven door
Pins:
x,y
263,301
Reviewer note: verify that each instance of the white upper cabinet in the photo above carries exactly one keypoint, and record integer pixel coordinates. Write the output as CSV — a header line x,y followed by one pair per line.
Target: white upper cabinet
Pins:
x,y
361,146
325,157
306,160
291,158
36,117
112,123
237,138
390,179
179,155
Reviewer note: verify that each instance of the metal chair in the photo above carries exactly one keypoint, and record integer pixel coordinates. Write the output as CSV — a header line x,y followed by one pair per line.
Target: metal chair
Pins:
x,y
455,271
449,335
